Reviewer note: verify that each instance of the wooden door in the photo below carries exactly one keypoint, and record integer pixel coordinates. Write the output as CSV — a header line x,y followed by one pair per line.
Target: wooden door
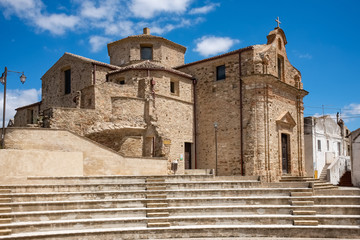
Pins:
x,y
285,152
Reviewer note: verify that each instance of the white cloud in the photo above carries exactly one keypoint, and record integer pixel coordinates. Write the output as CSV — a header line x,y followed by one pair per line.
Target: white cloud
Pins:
x,y
204,9
123,28
31,12
98,42
57,23
150,8
17,98
211,45
114,18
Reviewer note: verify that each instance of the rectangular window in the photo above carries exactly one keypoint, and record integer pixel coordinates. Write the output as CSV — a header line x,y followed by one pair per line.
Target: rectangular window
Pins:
x,y
146,53
339,148
220,72
174,87
67,76
319,145
280,67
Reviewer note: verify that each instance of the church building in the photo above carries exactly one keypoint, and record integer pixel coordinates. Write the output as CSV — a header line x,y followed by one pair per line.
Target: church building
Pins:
x,y
239,113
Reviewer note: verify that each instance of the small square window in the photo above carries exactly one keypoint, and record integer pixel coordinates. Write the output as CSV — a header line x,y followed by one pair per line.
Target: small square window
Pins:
x,y
146,53
220,72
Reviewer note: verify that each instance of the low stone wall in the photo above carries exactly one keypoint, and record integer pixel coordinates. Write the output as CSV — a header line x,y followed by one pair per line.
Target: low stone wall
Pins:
x,y
97,159
40,163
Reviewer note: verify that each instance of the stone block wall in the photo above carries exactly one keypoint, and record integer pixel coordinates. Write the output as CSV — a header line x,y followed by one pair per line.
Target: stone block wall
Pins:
x,y
27,115
127,51
53,82
218,101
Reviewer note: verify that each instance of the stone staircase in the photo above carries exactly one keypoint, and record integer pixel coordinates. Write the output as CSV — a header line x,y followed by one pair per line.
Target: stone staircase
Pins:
x,y
176,206
315,183
323,174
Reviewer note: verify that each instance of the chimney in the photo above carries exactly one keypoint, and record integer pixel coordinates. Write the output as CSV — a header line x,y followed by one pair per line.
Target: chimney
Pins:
x,y
146,31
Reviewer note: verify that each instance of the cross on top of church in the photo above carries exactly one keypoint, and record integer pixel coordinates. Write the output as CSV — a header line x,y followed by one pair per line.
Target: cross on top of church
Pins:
x,y
278,22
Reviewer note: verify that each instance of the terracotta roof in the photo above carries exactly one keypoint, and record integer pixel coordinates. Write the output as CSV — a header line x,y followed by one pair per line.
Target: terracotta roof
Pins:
x,y
93,61
146,36
216,57
149,65
27,106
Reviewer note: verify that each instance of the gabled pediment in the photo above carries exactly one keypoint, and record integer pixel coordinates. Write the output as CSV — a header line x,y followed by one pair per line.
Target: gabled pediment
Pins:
x,y
286,119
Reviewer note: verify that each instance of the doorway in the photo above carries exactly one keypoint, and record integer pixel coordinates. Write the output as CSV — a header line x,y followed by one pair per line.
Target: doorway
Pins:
x,y
187,155
285,153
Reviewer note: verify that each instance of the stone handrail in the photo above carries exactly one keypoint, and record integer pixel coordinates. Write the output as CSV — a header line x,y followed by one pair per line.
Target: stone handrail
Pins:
x,y
337,169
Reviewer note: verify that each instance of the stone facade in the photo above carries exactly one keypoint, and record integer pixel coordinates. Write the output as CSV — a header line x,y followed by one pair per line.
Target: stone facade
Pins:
x,y
355,157
148,102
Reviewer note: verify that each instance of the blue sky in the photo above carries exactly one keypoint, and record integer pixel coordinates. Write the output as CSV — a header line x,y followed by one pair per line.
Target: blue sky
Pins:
x,y
322,39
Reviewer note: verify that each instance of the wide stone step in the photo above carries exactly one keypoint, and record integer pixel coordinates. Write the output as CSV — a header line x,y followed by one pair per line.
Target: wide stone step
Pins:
x,y
58,196
306,222
22,227
29,188
303,212
123,179
302,203
4,191
74,204
5,209
5,220
5,200
338,192
5,232
158,224
207,232
73,214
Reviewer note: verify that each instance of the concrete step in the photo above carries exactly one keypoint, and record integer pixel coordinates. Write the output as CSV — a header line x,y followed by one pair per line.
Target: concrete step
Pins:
x,y
158,225
79,187
5,209
156,188
122,179
198,232
42,226
58,196
5,220
155,180
5,200
341,191
302,203
157,214
3,191
234,220
306,222
75,204
35,216
157,205
303,212
301,194
5,232
156,196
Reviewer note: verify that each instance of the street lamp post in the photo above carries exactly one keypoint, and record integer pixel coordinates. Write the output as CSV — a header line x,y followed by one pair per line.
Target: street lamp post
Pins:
x,y
3,79
216,148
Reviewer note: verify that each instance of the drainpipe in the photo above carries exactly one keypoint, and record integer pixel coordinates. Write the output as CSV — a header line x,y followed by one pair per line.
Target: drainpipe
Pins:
x,y
195,122
241,119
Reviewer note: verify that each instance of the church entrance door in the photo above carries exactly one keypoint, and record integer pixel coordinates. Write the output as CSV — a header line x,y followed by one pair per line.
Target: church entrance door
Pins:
x,y
285,152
